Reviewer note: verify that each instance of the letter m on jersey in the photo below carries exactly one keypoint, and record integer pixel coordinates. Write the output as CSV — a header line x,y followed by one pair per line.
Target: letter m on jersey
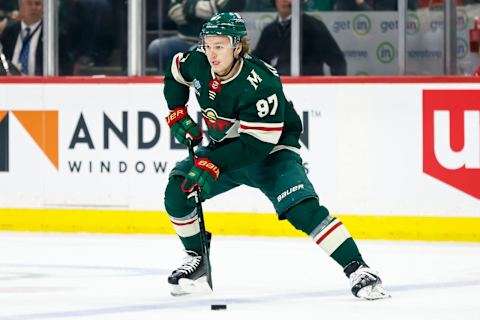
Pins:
x,y
254,79
451,138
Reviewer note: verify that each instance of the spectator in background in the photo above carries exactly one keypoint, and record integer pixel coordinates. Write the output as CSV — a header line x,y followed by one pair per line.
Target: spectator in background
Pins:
x,y
318,45
8,11
259,5
352,5
90,24
307,5
378,5
22,41
8,14
318,5
189,15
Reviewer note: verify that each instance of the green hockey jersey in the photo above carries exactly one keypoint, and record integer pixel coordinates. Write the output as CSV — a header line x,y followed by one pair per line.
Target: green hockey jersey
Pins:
x,y
247,116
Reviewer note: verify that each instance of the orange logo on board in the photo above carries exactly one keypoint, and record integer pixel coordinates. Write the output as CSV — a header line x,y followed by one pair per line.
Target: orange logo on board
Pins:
x,y
42,126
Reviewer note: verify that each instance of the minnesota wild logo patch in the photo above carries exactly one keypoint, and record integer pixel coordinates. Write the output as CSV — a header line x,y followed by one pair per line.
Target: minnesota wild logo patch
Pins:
x,y
218,127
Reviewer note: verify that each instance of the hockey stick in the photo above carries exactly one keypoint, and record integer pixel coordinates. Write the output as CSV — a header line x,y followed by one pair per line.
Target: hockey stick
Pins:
x,y
4,62
203,233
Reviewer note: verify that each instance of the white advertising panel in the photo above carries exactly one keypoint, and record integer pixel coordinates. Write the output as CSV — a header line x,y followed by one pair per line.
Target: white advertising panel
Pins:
x,y
370,149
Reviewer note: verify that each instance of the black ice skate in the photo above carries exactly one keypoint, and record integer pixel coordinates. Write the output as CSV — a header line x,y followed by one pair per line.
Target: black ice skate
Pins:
x,y
190,277
365,282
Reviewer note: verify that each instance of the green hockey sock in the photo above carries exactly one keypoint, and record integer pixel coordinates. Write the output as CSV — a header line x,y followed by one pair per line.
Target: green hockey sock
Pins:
x,y
328,232
183,215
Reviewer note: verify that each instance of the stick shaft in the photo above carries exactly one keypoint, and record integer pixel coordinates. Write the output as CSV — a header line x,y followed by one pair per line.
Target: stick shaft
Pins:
x,y
203,233
5,64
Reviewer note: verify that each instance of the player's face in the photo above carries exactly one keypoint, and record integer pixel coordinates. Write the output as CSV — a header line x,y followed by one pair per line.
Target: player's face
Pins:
x,y
219,52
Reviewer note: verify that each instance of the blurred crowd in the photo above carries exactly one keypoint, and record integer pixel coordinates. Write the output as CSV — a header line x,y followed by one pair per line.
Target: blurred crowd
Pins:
x,y
89,31
92,33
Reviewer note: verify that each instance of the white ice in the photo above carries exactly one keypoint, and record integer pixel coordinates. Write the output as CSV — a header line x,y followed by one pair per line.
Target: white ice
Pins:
x,y
88,276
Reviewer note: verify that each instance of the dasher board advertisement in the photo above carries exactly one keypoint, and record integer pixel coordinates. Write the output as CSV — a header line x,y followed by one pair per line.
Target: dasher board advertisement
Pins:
x,y
395,148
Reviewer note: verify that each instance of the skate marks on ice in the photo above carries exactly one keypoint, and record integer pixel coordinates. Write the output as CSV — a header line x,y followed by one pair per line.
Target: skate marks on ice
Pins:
x,y
194,303
124,277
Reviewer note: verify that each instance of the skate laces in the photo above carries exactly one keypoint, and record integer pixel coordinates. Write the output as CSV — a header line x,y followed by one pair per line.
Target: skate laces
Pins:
x,y
364,276
190,262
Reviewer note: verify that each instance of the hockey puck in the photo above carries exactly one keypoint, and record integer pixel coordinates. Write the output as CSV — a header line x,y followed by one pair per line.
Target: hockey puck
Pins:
x,y
218,307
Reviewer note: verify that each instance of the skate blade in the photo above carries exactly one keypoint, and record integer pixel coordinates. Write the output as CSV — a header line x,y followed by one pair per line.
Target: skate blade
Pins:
x,y
191,287
376,292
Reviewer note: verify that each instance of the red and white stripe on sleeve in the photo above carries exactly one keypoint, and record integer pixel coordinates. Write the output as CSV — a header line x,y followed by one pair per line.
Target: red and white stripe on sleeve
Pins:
x,y
263,131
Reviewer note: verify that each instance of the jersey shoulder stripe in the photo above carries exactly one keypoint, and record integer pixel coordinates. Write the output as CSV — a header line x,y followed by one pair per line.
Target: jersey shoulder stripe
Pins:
x,y
175,69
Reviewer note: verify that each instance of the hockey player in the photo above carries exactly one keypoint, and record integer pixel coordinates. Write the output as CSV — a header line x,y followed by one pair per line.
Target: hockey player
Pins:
x,y
254,132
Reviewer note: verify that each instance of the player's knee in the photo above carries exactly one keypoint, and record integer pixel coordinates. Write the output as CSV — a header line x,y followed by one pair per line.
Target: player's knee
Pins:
x,y
306,215
176,202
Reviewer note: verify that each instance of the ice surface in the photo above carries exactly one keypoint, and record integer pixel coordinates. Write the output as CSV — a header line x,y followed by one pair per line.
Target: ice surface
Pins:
x,y
91,276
